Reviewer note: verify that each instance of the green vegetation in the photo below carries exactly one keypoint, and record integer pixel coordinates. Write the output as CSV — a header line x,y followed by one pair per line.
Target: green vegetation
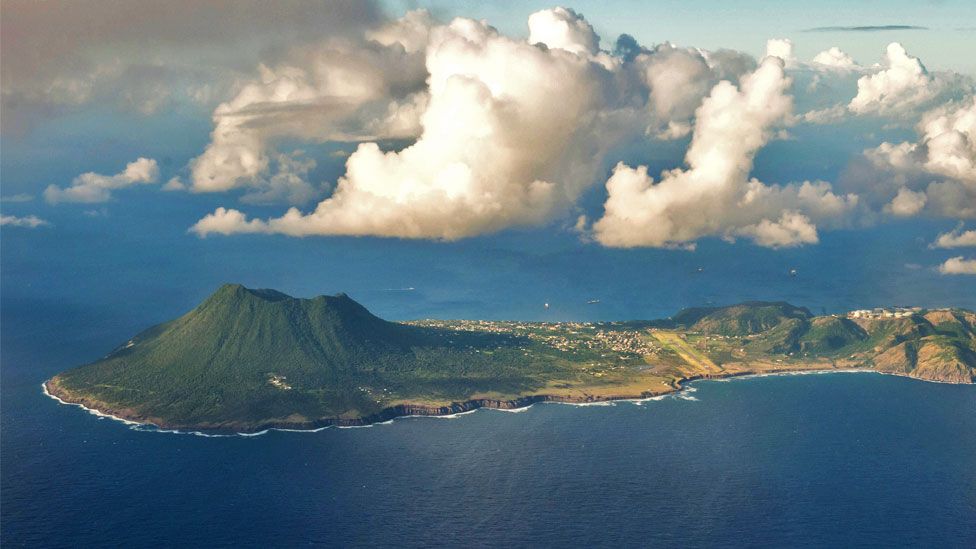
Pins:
x,y
244,359
829,333
738,320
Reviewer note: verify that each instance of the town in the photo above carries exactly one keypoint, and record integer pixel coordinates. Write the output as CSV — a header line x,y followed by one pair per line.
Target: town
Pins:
x,y
569,337
882,312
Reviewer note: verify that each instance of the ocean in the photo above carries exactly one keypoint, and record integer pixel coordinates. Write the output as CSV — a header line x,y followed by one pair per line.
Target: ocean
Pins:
x,y
842,459
818,460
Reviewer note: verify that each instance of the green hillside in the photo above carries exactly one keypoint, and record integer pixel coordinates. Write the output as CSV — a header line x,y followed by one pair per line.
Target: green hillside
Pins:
x,y
247,359
829,334
254,354
738,320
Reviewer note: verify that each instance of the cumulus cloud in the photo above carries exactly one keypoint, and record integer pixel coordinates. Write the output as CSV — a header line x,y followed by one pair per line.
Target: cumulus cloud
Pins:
x,y
464,131
678,79
30,221
714,196
902,85
342,90
902,81
174,184
92,187
227,222
564,29
896,91
835,58
958,266
906,203
782,48
957,238
511,134
790,230
941,164
352,90
949,138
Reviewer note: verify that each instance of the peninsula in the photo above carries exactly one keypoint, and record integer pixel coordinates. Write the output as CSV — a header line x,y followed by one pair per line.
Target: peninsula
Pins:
x,y
245,360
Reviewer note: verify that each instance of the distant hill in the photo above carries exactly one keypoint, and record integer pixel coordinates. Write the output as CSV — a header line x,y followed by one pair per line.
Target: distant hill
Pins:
x,y
937,345
246,359
751,317
828,334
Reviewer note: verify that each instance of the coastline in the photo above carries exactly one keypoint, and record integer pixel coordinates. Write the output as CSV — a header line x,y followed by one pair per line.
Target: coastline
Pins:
x,y
130,417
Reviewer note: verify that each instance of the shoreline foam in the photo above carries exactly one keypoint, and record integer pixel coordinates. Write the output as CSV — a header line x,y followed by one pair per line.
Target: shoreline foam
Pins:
x,y
683,392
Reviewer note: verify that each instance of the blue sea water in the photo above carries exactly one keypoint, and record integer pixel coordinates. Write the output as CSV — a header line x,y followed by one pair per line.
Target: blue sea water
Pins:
x,y
833,460
813,460
827,461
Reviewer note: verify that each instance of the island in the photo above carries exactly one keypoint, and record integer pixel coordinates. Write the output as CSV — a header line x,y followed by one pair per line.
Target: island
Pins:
x,y
247,360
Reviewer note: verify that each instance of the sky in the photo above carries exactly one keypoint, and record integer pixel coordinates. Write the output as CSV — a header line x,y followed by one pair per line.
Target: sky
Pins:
x,y
949,27
471,159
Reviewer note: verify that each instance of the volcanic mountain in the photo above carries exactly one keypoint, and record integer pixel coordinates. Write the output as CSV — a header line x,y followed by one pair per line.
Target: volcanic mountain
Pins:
x,y
249,359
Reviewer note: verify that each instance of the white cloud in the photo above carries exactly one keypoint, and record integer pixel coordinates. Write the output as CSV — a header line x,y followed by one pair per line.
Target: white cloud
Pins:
x,y
497,148
906,203
174,184
564,29
356,91
958,266
677,81
485,146
949,135
714,196
341,90
942,163
791,230
20,197
226,222
898,157
92,187
902,81
957,238
835,58
782,48
30,221
902,85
